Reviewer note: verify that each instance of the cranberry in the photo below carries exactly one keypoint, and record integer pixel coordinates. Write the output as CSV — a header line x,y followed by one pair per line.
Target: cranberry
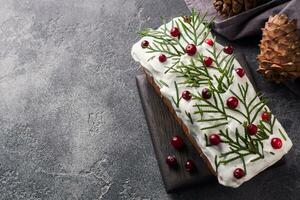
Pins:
x,y
206,94
208,61
175,32
171,161
191,49
251,129
190,166
210,42
214,139
162,58
265,116
240,72
238,173
144,44
232,102
186,95
276,143
177,142
228,49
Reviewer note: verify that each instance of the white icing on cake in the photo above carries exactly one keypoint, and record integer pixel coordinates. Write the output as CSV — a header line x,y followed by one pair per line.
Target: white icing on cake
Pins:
x,y
157,70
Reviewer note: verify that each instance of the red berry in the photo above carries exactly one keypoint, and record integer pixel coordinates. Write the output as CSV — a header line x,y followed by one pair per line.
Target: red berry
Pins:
x,y
214,139
240,72
191,49
177,142
162,58
207,61
232,102
186,95
190,166
206,94
144,44
238,173
251,129
228,49
276,143
265,116
175,32
210,42
171,161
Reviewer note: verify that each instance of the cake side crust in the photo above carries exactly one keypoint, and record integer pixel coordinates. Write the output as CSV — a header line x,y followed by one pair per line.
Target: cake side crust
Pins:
x,y
184,127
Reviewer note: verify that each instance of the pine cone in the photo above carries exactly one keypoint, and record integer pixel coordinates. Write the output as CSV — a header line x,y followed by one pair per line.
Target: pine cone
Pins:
x,y
279,57
228,8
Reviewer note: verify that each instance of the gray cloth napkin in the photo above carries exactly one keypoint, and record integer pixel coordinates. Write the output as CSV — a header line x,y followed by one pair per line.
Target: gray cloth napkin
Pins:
x,y
248,23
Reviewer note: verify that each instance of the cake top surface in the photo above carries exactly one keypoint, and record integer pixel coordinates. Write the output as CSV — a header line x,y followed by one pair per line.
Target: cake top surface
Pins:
x,y
211,93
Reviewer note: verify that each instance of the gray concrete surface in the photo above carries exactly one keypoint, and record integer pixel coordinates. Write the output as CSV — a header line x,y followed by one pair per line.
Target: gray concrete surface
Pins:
x,y
71,122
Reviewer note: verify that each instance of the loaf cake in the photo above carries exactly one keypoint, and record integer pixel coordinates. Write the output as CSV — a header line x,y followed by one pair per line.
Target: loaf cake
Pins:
x,y
209,94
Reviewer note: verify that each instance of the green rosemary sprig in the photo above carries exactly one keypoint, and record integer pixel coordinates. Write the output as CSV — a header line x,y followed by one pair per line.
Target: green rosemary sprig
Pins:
x,y
177,100
217,163
163,83
226,77
281,133
214,106
206,141
249,106
266,126
192,29
173,47
240,147
189,116
194,75
166,47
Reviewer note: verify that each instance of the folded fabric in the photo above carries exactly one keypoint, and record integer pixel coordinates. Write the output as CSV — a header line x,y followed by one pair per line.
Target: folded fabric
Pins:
x,y
248,23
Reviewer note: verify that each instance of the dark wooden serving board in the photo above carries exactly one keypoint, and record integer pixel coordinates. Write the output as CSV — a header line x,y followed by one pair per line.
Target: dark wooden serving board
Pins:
x,y
162,126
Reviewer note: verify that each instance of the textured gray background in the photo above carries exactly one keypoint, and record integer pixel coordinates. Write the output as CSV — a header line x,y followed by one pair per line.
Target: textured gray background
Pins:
x,y
71,122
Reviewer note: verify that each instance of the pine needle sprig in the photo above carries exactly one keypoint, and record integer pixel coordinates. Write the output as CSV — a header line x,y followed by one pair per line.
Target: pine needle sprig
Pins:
x,y
281,133
177,100
193,74
214,106
191,29
197,74
240,147
265,128
249,106
163,83
163,42
189,116
225,71
259,107
164,47
176,61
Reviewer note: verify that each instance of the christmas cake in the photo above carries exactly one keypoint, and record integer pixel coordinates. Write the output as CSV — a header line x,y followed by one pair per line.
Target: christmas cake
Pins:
x,y
209,94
